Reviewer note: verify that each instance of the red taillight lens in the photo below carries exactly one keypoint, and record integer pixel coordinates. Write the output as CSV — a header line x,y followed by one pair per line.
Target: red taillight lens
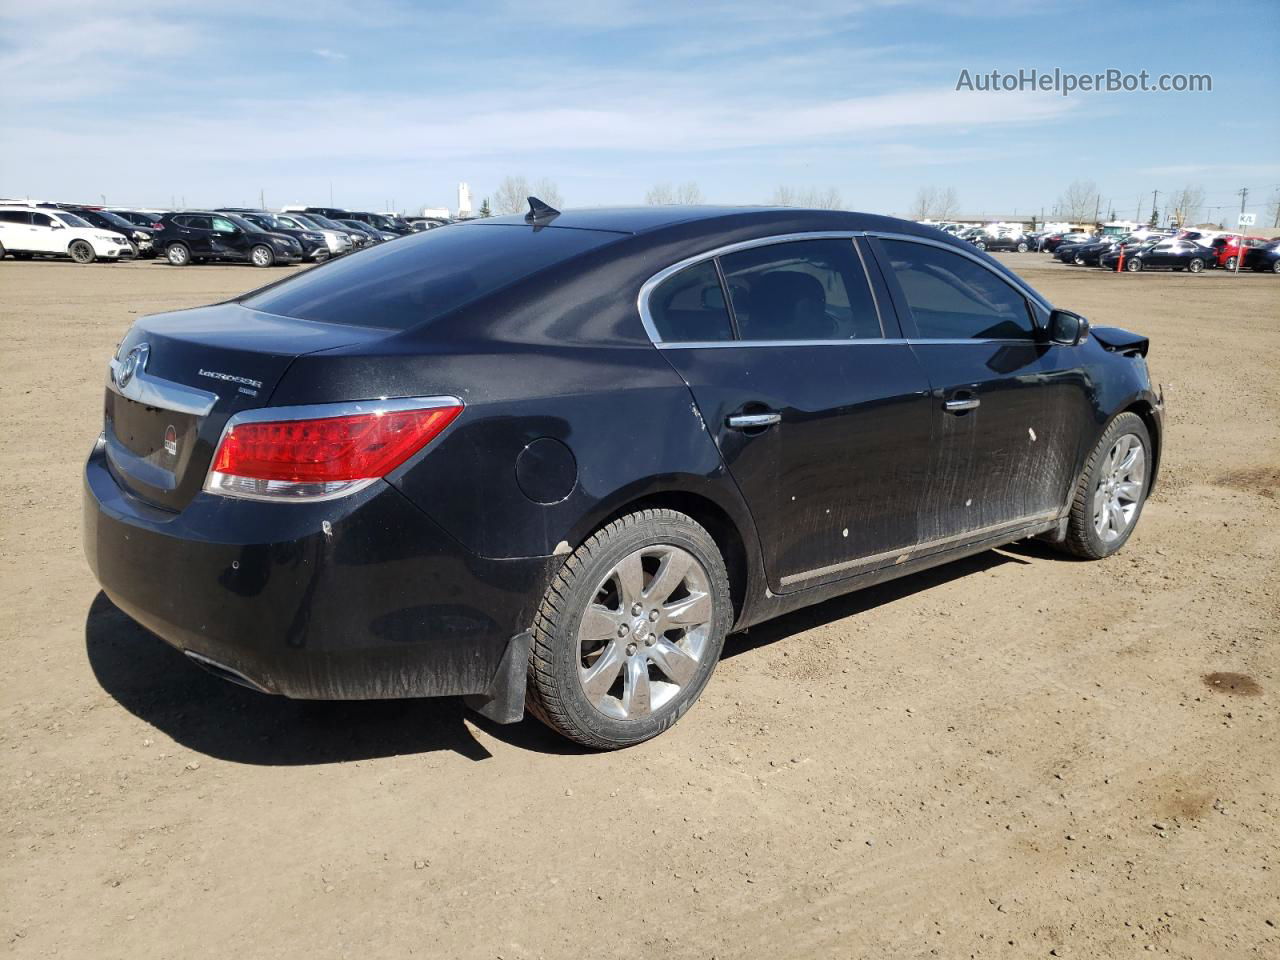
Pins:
x,y
321,456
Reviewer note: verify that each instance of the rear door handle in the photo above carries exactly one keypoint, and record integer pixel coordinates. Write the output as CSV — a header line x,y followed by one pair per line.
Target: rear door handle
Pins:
x,y
753,421
961,405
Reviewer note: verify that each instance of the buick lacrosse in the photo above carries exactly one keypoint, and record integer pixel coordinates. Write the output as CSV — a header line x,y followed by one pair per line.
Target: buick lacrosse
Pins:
x,y
551,461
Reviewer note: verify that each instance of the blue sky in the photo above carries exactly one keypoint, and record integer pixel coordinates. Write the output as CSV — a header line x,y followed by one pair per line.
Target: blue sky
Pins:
x,y
391,100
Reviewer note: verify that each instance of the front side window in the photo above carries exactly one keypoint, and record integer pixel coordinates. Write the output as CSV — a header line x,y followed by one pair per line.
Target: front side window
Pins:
x,y
801,290
223,225
689,307
953,298
71,220
42,220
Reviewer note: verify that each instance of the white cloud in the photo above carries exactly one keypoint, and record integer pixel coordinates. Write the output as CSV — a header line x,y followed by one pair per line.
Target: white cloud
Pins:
x,y
326,54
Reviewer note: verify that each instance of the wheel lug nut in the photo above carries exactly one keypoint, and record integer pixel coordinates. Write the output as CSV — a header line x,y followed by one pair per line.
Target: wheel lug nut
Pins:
x,y
631,649
636,609
622,630
649,640
653,616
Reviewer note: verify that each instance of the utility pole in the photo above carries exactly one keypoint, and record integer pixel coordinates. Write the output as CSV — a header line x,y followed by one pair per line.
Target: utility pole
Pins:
x,y
1155,211
262,199
1244,195
331,193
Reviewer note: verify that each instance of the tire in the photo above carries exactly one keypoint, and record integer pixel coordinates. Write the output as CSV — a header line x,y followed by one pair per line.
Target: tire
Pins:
x,y
82,251
595,586
178,254
980,245
1078,260
1023,248
262,256
1275,266
1196,265
1230,264
1103,512
1134,265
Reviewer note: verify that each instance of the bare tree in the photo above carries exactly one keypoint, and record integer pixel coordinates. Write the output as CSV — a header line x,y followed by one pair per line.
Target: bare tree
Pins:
x,y
812,197
688,193
1079,203
1186,204
547,191
659,194
513,193
511,196
923,206
934,203
1273,207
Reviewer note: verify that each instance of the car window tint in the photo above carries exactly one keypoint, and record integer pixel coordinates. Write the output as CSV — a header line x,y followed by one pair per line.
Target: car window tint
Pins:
x,y
14,216
953,298
42,219
801,290
420,278
223,225
689,307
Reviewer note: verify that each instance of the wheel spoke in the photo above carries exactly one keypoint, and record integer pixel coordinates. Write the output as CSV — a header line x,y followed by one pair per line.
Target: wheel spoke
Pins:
x,y
1129,491
1117,517
635,688
679,666
599,678
669,576
688,612
630,579
599,623
1132,459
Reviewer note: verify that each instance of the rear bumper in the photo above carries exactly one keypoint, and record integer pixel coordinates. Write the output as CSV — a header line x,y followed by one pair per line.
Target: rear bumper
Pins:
x,y
359,598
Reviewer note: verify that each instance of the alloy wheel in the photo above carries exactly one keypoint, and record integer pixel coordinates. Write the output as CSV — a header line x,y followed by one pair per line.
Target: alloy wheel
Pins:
x,y
261,257
81,252
643,636
1118,493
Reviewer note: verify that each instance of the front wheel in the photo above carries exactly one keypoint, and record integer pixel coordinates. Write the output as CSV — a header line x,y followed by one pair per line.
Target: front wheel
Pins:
x,y
1023,248
1111,491
1196,265
262,256
1230,264
630,630
1275,266
1134,265
82,252
980,245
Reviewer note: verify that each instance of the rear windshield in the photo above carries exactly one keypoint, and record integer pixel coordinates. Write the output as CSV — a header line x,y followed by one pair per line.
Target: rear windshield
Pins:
x,y
423,276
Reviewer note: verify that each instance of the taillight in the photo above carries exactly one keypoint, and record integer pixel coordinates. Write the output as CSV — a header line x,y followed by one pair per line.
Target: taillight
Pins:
x,y
272,455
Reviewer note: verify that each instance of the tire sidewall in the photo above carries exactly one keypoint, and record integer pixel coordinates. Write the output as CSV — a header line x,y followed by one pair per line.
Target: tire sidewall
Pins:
x,y
666,529
253,256
1121,425
184,258
81,245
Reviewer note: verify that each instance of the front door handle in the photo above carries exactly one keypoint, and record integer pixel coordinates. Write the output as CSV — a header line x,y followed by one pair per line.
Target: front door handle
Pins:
x,y
753,421
962,404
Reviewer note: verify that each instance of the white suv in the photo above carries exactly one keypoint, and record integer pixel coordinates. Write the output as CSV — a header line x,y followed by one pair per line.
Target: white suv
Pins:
x,y
40,231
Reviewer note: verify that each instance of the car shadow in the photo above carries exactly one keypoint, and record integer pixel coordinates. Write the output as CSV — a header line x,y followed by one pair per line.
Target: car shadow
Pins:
x,y
205,713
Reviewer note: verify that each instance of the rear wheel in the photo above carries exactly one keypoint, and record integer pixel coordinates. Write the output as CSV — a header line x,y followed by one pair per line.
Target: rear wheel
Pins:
x,y
1196,265
630,630
1112,490
178,254
82,251
3,251
262,256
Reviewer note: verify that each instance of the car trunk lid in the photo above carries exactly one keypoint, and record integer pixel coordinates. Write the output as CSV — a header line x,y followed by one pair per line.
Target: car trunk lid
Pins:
x,y
178,377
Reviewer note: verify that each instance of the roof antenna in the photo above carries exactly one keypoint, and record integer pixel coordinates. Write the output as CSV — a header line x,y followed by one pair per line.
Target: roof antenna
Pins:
x,y
540,212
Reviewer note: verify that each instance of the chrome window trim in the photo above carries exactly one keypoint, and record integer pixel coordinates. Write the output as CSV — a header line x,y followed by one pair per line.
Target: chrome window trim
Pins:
x,y
159,392
646,290
312,411
866,341
1014,281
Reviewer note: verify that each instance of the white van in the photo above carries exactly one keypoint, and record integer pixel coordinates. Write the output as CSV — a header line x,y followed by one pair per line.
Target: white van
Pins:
x,y
28,232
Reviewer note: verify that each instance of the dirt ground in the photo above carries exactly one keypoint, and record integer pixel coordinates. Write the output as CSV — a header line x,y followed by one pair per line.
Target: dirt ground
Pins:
x,y
1004,757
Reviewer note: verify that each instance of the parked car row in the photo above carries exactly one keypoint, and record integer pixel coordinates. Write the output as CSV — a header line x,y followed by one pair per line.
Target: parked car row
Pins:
x,y
1191,251
262,238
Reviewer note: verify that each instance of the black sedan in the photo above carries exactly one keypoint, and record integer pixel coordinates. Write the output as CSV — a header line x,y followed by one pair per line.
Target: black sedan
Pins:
x,y
987,242
1088,254
1127,249
1171,254
195,236
1262,259
554,460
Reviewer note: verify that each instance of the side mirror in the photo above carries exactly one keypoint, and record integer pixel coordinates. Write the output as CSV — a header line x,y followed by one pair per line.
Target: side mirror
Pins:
x,y
58,225
1067,328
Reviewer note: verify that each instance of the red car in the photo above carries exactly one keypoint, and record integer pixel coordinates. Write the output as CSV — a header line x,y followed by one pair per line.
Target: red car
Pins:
x,y
1227,249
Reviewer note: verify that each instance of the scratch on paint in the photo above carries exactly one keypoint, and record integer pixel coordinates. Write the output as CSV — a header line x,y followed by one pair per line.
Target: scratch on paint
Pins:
x,y
698,413
1032,434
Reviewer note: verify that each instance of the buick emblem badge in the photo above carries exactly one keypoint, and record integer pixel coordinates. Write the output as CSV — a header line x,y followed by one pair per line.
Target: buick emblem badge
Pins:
x,y
171,440
135,361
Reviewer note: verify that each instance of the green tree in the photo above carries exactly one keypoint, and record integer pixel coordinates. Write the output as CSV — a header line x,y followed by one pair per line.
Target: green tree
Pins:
x,y
484,208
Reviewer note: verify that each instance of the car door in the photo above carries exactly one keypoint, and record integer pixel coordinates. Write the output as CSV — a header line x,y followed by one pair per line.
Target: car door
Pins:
x,y
998,444
226,240
820,414
1163,254
15,230
47,234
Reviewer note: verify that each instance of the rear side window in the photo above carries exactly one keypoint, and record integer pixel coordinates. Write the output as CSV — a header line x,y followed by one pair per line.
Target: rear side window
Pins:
x,y
802,290
14,216
420,278
953,298
689,307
